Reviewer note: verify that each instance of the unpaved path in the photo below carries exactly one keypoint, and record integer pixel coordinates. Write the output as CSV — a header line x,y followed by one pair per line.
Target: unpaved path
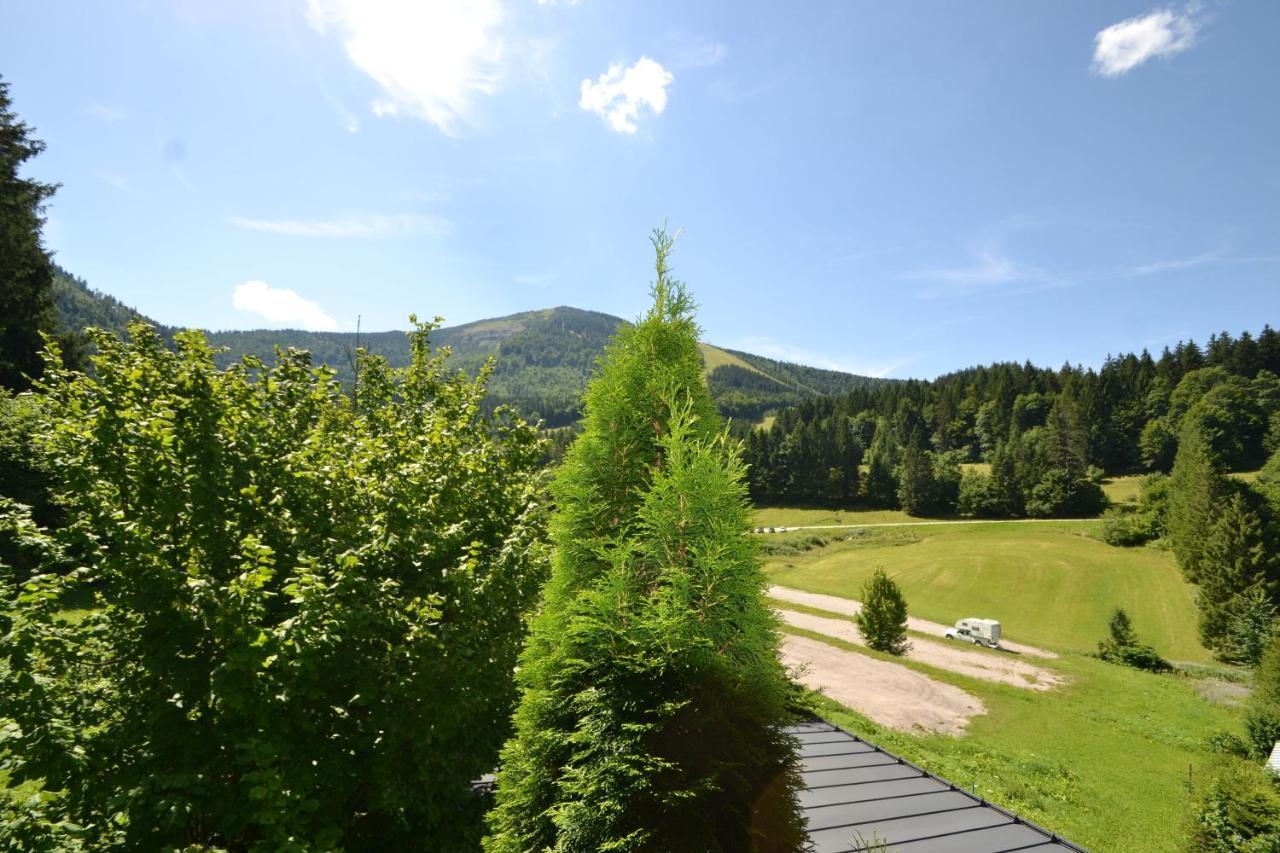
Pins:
x,y
888,693
789,528
849,607
977,664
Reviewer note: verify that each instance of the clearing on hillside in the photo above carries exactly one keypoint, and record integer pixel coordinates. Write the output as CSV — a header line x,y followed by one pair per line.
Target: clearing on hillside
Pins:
x,y
1050,584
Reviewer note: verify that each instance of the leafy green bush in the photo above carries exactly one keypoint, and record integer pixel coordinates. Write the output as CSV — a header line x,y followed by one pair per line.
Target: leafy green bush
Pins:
x,y
1227,743
307,608
654,703
1236,808
883,618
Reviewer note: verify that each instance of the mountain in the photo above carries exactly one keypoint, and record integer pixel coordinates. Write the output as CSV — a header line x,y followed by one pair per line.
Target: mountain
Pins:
x,y
543,359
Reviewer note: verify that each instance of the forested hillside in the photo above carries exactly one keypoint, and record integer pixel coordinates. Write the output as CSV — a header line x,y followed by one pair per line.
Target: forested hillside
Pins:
x,y
543,359
1028,422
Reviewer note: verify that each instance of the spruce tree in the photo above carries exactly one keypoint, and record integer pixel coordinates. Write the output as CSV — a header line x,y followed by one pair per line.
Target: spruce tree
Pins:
x,y
26,276
882,459
1195,490
1262,712
654,704
1233,560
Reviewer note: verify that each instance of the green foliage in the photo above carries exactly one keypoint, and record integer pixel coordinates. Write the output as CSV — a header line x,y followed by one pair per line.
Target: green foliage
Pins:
x,y
979,498
1235,563
1122,646
653,701
1195,488
26,303
1158,445
1262,712
883,618
1060,494
23,475
1236,808
307,609
1251,626
881,485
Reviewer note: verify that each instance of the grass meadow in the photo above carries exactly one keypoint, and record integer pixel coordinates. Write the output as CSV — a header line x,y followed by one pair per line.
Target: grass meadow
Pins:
x,y
1106,760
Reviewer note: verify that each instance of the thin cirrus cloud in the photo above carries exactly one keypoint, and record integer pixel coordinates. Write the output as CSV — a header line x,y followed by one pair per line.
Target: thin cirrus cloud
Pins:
x,y
619,94
429,59
282,307
357,226
1122,47
989,267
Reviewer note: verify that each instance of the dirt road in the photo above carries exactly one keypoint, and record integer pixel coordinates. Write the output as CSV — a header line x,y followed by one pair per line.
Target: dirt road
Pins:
x,y
888,693
985,664
848,607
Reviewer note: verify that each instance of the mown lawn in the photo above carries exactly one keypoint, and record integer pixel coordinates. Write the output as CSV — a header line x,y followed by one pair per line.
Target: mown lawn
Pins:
x,y
1050,584
770,516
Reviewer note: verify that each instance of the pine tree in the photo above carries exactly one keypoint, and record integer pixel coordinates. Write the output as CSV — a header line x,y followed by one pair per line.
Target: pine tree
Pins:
x,y
26,276
653,700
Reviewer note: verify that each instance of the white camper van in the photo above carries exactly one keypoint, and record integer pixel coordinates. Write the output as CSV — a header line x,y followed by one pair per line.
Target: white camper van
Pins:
x,y
983,632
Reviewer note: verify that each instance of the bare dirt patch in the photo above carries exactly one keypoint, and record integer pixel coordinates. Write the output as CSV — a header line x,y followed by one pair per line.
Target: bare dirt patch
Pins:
x,y
888,693
849,607
988,665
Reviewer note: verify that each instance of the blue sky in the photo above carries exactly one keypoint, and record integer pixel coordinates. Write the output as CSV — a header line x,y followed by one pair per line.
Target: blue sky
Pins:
x,y
895,188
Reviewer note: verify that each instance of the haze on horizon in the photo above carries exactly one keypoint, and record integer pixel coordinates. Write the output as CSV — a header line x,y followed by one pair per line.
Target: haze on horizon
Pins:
x,y
901,190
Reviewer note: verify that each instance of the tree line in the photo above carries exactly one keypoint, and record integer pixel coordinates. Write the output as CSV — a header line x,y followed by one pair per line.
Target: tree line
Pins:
x,y
1048,435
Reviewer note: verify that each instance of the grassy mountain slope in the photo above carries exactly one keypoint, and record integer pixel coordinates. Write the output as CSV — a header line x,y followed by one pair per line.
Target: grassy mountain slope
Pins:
x,y
543,358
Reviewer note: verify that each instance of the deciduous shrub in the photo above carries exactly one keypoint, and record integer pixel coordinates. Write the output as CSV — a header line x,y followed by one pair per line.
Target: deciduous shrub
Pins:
x,y
307,607
1262,712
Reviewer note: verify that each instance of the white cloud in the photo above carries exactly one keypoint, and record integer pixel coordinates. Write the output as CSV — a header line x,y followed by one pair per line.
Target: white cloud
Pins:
x,y
769,348
107,113
989,267
358,226
700,54
281,306
430,58
620,93
1124,46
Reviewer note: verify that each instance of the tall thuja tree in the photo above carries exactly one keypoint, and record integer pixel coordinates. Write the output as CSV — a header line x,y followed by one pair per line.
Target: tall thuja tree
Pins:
x,y
26,275
654,702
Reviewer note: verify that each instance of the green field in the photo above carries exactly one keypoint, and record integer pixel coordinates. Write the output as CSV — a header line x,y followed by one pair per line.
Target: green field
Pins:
x,y
792,517
1104,760
1049,583
1122,490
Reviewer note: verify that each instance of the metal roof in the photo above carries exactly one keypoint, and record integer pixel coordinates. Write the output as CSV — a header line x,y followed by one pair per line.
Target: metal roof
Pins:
x,y
858,797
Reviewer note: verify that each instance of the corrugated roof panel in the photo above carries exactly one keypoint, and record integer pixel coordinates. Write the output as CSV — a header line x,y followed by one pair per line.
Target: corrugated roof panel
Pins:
x,y
858,795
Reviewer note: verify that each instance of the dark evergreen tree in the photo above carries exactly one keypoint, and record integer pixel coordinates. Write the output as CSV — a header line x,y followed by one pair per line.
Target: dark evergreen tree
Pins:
x,y
882,459
1262,711
1234,563
26,275
654,703
1195,489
